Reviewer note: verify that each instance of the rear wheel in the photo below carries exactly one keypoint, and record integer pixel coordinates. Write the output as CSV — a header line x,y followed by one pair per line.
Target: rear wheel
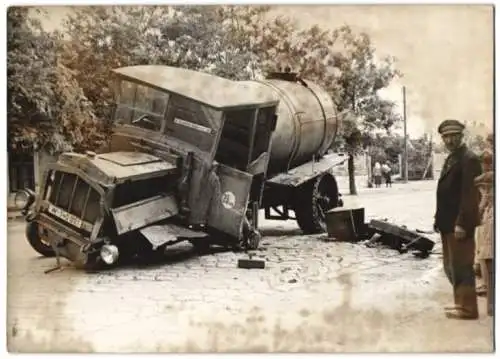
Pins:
x,y
314,199
38,239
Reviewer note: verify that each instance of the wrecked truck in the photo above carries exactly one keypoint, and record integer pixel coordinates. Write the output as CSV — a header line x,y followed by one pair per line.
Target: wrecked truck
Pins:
x,y
192,157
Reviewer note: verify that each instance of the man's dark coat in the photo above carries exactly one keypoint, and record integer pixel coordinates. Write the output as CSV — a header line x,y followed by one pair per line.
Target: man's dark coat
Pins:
x,y
457,197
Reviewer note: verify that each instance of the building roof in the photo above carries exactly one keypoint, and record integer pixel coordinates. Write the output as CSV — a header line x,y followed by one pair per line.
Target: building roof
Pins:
x,y
202,87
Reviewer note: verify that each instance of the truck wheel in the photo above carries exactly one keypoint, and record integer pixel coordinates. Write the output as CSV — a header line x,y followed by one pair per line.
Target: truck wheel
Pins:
x,y
37,240
253,240
249,241
314,199
200,245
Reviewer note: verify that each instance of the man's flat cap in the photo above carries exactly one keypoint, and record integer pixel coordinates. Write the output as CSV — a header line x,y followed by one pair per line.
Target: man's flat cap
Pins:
x,y
450,126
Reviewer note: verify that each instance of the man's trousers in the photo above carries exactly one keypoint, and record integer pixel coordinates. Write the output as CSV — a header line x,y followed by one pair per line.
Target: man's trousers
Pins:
x,y
458,263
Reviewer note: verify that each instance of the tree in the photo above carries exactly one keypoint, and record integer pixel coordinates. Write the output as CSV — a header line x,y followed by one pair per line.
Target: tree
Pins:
x,y
384,147
344,64
99,39
45,105
361,77
236,42
477,143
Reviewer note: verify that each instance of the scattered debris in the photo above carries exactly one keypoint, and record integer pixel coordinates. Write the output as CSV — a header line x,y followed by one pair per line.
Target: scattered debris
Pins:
x,y
401,238
373,240
346,224
251,264
293,280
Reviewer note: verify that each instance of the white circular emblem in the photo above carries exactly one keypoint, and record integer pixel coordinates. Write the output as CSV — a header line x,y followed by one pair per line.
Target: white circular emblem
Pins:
x,y
228,199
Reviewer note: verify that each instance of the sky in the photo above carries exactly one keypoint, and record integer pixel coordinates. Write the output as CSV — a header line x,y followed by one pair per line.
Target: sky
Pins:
x,y
445,53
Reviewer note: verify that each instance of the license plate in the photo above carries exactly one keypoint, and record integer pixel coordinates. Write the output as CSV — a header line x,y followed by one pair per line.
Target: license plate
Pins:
x,y
65,216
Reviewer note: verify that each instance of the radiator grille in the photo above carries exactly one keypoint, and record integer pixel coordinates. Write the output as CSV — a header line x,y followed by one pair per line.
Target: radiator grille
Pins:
x,y
74,195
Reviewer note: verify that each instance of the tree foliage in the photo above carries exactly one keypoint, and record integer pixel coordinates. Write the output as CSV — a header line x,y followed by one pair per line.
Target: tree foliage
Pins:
x,y
236,42
387,148
45,104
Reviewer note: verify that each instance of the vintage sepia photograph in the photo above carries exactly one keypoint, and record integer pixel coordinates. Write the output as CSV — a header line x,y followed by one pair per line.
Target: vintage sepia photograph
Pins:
x,y
235,178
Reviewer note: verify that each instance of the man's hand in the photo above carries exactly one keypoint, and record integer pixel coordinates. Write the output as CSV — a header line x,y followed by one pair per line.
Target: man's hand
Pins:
x,y
459,233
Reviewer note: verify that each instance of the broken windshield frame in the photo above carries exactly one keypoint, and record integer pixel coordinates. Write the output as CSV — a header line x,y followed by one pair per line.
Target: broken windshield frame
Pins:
x,y
141,106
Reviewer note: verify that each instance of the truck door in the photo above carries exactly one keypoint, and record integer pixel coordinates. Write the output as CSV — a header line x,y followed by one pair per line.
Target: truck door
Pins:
x,y
243,154
228,207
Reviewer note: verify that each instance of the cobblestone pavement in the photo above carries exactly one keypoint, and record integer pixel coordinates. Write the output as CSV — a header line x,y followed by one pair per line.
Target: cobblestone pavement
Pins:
x,y
313,295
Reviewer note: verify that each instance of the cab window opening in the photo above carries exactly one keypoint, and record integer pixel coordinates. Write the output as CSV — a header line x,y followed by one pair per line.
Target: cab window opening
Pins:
x,y
234,145
140,105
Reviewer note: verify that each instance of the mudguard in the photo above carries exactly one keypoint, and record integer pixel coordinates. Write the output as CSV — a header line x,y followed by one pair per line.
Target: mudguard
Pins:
x,y
303,173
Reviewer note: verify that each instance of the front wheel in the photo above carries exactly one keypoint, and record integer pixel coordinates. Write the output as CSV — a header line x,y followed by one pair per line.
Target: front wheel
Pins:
x,y
250,237
314,199
38,240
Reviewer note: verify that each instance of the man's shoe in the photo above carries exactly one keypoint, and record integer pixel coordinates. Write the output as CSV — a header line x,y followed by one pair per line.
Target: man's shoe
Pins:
x,y
460,314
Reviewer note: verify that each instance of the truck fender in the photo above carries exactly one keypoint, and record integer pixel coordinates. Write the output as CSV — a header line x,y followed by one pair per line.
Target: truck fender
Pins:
x,y
307,171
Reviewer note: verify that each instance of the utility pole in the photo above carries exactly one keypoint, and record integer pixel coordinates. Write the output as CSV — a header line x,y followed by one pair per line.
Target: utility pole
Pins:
x,y
405,147
432,156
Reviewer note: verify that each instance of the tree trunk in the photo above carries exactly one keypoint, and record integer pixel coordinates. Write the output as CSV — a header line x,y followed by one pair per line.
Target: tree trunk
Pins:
x,y
350,169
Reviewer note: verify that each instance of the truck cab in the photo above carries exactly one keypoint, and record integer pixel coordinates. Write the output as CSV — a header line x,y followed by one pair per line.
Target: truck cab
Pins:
x,y
187,160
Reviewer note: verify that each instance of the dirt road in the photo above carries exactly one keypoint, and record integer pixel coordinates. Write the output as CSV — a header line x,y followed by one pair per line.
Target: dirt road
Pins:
x,y
312,296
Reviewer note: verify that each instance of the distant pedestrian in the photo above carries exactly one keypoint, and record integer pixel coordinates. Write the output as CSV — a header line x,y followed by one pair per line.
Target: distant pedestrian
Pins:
x,y
485,232
457,217
386,171
377,174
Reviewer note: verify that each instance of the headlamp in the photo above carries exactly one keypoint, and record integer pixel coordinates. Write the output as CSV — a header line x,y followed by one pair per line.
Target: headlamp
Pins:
x,y
109,253
24,198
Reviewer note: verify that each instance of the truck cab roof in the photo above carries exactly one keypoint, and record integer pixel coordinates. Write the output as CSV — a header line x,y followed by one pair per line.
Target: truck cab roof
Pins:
x,y
211,90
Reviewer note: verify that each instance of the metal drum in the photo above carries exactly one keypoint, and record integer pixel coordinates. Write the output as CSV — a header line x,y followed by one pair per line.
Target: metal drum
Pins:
x,y
306,126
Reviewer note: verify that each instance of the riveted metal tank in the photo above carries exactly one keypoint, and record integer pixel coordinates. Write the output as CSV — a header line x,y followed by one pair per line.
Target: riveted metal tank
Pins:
x,y
306,125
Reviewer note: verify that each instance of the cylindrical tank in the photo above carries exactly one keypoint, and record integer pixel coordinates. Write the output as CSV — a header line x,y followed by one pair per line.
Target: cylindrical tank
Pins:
x,y
306,124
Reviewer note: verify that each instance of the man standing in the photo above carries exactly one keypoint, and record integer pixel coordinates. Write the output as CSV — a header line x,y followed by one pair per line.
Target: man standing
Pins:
x,y
457,217
386,170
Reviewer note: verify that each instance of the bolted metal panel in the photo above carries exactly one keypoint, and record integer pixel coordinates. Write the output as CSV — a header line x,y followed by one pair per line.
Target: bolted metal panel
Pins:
x,y
139,214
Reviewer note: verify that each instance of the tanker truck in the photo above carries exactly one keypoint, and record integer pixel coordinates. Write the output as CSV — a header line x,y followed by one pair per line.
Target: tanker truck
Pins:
x,y
192,157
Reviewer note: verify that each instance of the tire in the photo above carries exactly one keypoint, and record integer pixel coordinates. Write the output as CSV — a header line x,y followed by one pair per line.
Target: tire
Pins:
x,y
200,245
36,242
314,199
250,238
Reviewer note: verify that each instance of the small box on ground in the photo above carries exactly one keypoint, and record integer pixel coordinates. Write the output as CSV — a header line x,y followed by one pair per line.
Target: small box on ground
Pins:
x,y
346,224
251,264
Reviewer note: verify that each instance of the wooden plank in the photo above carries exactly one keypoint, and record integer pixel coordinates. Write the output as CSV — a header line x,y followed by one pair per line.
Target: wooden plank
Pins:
x,y
402,238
